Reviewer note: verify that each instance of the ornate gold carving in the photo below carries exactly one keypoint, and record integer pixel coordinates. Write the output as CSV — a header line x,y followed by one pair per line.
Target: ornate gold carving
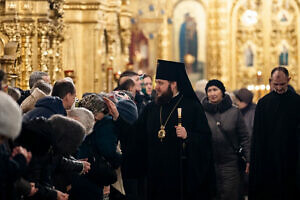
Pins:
x,y
284,35
125,32
248,38
43,29
81,6
10,61
27,31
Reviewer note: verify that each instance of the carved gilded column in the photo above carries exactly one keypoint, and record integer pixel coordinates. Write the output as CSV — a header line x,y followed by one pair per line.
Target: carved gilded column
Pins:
x,y
112,40
11,27
56,38
164,40
213,55
57,58
125,31
27,31
43,29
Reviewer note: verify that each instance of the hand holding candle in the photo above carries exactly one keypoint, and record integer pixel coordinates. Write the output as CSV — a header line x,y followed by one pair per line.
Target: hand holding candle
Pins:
x,y
180,130
179,116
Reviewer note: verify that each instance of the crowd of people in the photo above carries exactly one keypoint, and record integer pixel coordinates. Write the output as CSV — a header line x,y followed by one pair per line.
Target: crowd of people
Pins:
x,y
140,142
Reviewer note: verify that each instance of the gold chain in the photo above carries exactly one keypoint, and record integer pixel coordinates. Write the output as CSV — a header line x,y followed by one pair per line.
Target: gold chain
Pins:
x,y
161,125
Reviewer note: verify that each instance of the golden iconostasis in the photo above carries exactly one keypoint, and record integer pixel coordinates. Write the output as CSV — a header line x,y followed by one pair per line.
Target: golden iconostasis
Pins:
x,y
236,41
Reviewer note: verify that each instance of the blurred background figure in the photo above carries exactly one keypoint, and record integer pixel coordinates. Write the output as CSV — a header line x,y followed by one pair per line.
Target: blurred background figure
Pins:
x,y
2,79
200,89
147,88
244,101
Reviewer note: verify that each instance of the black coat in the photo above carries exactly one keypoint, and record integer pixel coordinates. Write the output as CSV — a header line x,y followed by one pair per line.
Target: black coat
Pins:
x,y
37,137
161,161
10,171
274,173
102,141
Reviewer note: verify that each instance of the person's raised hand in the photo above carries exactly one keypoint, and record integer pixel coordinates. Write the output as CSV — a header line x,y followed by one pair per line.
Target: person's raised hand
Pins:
x,y
112,109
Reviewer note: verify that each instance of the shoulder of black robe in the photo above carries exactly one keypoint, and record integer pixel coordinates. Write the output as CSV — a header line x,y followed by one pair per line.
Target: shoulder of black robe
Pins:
x,y
133,140
275,123
199,149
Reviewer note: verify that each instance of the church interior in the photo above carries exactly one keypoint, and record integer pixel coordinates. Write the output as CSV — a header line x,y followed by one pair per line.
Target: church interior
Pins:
x,y
236,41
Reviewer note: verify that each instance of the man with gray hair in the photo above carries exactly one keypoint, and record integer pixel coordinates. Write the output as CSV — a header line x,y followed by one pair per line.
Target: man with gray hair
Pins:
x,y
34,77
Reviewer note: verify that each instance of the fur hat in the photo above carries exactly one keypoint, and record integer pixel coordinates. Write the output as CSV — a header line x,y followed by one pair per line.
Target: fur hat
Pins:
x,y
67,134
14,93
128,110
10,117
29,103
244,95
84,116
217,83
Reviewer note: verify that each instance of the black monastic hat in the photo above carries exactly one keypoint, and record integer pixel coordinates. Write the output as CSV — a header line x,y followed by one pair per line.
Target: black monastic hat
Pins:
x,y
175,71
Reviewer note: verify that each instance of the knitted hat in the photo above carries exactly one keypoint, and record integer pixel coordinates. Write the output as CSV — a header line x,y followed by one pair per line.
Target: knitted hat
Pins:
x,y
217,83
94,103
10,117
118,95
128,110
244,95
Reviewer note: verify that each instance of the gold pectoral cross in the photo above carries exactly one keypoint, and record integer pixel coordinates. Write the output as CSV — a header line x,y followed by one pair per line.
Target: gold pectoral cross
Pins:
x,y
161,133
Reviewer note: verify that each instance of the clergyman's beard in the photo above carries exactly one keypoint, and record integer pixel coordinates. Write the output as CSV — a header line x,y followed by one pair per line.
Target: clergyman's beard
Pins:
x,y
165,97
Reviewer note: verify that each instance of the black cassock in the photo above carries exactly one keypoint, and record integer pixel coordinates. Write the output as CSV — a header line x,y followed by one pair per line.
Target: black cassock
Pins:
x,y
169,176
274,167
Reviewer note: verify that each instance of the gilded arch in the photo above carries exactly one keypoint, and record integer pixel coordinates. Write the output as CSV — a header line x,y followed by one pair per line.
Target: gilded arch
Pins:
x,y
269,36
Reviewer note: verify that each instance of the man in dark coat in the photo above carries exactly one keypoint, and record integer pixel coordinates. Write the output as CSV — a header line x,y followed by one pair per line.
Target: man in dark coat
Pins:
x,y
62,99
175,157
274,173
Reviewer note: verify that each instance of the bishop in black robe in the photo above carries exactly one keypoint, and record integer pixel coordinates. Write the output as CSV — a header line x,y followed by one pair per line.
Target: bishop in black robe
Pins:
x,y
175,168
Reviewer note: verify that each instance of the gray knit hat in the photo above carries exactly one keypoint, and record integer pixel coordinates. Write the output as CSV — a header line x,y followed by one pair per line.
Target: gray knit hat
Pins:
x,y
10,117
94,103
244,95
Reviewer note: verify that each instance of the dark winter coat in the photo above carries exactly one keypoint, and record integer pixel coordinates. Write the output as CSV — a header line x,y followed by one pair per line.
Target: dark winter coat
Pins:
x,y
248,113
103,140
37,136
140,101
46,107
274,167
226,160
24,95
10,171
163,162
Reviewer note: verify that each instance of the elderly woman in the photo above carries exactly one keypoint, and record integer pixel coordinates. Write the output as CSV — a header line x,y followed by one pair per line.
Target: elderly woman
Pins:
x,y
102,142
228,133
